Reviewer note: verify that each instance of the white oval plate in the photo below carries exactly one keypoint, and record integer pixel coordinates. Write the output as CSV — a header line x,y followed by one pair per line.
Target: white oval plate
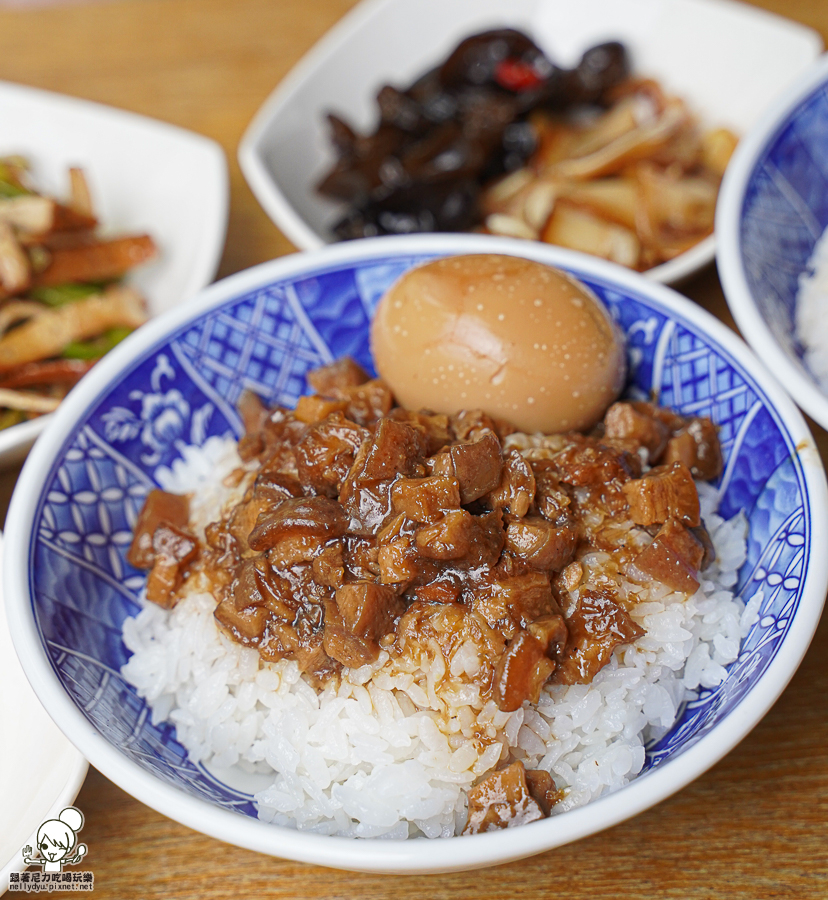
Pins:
x,y
728,60
144,175
40,770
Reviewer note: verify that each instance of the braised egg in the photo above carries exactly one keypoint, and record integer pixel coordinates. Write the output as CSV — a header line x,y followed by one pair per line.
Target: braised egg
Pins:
x,y
521,340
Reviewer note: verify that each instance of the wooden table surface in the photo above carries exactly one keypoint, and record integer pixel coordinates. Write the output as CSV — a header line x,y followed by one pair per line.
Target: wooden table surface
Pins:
x,y
755,826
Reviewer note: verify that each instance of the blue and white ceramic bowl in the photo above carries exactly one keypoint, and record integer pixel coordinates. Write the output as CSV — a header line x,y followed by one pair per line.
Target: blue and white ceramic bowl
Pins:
x,y
176,382
773,207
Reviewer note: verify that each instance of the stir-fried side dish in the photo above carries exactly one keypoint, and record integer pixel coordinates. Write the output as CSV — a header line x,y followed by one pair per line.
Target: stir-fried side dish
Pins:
x,y
62,305
424,566
499,139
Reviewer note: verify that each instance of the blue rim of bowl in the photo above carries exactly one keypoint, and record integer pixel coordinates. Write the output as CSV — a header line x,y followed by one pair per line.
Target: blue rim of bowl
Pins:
x,y
407,856
750,153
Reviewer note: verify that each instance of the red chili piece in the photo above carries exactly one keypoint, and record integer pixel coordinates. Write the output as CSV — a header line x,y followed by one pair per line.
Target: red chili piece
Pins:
x,y
516,75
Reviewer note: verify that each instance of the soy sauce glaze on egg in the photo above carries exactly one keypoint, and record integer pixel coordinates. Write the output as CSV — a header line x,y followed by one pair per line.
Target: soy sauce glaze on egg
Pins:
x,y
516,338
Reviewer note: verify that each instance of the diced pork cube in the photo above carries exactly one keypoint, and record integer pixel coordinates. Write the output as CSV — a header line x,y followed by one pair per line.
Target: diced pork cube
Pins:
x,y
697,446
665,492
502,800
521,672
674,558
636,423
596,627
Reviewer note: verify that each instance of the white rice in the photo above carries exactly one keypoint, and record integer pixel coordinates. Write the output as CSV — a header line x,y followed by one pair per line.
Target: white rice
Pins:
x,y
391,749
811,318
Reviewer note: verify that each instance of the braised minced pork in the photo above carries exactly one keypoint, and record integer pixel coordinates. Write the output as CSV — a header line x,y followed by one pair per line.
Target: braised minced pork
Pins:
x,y
366,527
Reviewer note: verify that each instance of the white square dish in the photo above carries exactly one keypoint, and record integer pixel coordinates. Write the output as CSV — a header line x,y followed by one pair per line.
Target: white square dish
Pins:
x,y
144,176
727,59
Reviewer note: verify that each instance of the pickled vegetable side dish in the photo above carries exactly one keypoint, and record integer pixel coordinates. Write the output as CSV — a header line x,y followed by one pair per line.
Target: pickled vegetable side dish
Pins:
x,y
499,139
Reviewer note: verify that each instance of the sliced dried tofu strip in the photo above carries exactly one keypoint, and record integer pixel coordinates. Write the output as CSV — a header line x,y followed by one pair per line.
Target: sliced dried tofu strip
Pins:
x,y
46,335
102,261
36,403
81,197
28,213
16,311
15,272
